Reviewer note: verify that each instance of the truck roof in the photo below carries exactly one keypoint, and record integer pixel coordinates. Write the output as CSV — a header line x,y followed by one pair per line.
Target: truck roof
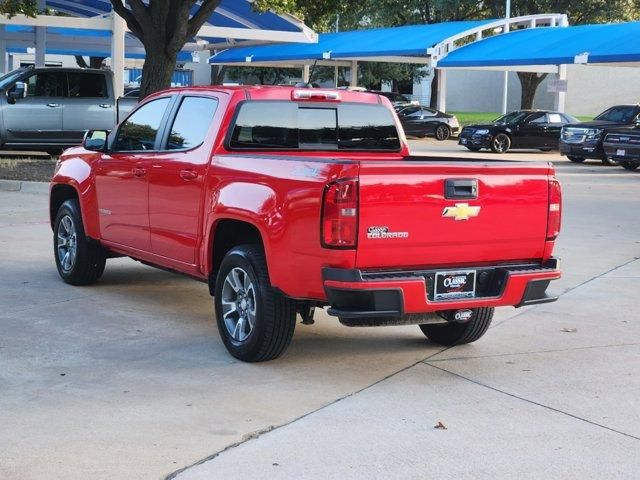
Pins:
x,y
268,92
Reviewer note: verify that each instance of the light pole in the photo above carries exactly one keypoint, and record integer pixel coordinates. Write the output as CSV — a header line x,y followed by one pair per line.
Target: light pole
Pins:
x,y
505,88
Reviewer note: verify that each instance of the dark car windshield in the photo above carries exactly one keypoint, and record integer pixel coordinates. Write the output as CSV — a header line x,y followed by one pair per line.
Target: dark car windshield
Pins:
x,y
622,114
9,78
278,125
513,117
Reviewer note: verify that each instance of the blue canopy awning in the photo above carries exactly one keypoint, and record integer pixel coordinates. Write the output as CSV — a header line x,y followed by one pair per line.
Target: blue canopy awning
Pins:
x,y
410,40
602,43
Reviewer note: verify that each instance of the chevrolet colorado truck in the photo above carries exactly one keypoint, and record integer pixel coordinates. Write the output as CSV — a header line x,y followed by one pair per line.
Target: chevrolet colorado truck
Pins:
x,y
580,141
283,200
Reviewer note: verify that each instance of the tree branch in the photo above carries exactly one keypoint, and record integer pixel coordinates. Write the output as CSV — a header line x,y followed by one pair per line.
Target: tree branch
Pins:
x,y
132,22
202,15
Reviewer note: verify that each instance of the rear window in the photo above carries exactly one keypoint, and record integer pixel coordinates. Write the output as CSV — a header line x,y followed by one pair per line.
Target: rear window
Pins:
x,y
275,125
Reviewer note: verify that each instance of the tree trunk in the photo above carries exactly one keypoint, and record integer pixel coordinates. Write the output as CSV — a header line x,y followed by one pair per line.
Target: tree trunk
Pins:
x,y
217,74
433,101
529,83
94,62
157,70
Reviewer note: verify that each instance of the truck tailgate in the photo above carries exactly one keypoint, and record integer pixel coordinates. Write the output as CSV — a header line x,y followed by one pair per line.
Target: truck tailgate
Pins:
x,y
407,221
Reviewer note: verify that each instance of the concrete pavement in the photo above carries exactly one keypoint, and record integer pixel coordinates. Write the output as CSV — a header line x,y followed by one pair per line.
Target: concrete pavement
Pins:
x,y
128,378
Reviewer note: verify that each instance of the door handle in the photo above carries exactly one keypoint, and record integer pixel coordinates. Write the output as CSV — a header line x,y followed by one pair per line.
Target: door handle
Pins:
x,y
139,172
461,189
188,174
104,105
53,105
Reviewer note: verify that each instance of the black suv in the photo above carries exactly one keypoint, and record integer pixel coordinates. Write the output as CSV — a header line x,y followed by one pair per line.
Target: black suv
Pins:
x,y
584,140
623,146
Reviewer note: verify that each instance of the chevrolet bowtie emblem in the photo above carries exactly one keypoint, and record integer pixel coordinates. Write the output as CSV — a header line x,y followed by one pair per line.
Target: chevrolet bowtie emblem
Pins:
x,y
461,211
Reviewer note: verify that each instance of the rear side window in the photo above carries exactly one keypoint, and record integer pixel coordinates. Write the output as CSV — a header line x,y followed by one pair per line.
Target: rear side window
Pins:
x,y
140,130
87,85
192,122
275,125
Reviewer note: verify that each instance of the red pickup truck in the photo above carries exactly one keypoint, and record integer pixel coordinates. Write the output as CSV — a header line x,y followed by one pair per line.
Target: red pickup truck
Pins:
x,y
284,200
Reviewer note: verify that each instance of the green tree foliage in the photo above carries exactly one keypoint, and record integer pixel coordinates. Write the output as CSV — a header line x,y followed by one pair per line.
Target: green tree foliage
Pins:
x,y
15,7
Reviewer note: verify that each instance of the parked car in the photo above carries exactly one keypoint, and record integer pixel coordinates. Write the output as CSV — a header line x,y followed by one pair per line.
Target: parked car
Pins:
x,y
52,108
539,129
283,200
623,146
420,121
583,140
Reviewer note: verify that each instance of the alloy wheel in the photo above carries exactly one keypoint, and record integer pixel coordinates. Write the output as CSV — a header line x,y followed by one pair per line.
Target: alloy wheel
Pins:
x,y
67,245
238,304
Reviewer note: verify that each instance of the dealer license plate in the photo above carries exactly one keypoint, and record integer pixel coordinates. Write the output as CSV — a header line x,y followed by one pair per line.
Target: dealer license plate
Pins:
x,y
454,285
621,153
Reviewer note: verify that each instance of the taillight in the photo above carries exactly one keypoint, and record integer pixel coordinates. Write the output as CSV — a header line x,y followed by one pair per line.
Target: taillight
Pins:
x,y
554,220
340,214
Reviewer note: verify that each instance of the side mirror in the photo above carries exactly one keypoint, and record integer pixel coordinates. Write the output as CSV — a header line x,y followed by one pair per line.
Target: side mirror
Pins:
x,y
95,140
19,90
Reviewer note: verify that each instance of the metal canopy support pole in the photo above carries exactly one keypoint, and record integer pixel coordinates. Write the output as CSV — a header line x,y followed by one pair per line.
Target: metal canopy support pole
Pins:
x,y
306,73
3,51
117,53
354,74
41,39
559,101
442,90
505,88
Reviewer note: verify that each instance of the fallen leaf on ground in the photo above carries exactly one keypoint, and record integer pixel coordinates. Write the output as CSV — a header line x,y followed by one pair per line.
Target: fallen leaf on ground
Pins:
x,y
440,426
570,330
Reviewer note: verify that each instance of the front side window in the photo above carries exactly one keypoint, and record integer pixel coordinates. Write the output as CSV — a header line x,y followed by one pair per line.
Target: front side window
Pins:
x,y
192,122
46,84
87,85
279,125
139,131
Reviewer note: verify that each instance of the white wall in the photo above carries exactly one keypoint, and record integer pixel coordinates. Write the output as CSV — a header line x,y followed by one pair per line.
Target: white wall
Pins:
x,y
591,90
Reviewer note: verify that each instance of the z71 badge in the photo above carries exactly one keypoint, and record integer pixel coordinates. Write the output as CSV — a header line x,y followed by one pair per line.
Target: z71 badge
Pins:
x,y
383,232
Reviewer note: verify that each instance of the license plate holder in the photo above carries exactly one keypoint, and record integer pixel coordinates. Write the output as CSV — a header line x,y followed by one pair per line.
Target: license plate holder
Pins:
x,y
453,285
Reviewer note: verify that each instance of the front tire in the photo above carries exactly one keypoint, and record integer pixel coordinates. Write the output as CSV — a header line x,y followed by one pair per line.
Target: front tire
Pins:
x,y
79,260
453,333
256,322
576,159
443,132
501,143
629,165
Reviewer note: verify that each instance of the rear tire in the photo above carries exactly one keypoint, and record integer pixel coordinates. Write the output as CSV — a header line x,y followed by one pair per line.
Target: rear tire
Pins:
x,y
629,165
443,132
576,159
501,143
452,333
256,322
79,260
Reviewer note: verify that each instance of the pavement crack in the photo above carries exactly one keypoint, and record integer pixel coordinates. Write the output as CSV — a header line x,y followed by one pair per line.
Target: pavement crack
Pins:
x,y
534,352
533,402
258,433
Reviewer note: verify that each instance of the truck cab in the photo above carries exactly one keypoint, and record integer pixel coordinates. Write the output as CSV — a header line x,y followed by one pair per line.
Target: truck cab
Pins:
x,y
52,108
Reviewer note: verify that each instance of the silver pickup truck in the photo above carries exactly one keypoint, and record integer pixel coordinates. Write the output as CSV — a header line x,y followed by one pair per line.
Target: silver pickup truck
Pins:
x,y
51,108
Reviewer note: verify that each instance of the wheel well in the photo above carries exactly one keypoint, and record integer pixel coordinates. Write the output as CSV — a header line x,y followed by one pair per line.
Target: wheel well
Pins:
x,y
59,195
229,234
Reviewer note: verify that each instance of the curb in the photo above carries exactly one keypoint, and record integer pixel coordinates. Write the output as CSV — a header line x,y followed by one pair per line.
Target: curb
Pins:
x,y
37,188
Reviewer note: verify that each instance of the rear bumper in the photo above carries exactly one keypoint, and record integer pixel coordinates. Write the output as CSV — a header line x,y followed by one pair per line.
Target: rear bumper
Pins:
x,y
365,294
